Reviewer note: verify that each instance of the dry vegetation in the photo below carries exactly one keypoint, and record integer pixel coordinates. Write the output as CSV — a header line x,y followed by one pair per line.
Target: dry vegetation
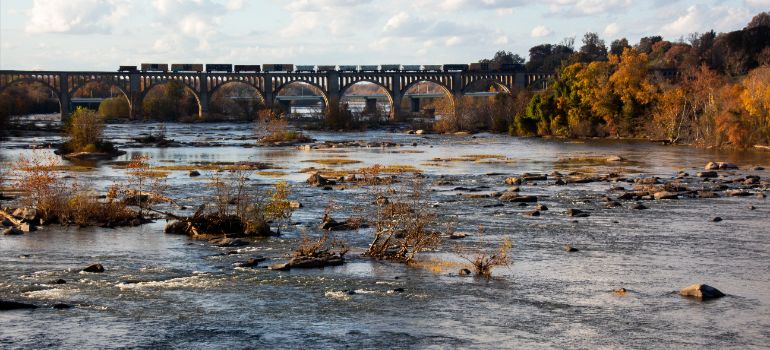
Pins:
x,y
271,128
483,264
56,199
404,224
85,129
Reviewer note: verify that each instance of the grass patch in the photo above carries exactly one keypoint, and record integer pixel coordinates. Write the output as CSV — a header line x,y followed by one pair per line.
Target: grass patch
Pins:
x,y
65,168
473,158
437,266
271,173
215,166
333,161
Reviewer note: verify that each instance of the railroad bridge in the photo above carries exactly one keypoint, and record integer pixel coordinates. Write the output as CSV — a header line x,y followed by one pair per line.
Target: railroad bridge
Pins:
x,y
332,84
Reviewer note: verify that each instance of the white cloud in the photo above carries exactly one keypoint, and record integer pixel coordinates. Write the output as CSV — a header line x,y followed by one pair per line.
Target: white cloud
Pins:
x,y
587,7
453,41
611,30
759,3
699,18
540,32
75,16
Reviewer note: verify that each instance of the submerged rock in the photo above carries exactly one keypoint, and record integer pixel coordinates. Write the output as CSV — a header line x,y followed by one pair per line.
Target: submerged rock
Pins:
x,y
6,305
95,268
707,174
458,235
701,292
716,219
279,267
464,272
315,262
317,180
517,198
576,213
619,291
251,262
665,195
229,242
195,173
570,248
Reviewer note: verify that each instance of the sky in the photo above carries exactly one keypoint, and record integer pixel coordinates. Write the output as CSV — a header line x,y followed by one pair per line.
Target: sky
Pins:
x,y
102,34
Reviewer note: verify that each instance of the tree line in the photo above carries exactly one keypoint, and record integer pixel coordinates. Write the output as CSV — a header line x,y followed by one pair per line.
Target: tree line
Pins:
x,y
711,89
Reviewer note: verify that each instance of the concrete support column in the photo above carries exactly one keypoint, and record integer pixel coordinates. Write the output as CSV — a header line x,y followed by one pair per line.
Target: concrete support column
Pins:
x,y
414,105
520,80
333,87
371,105
134,96
395,112
204,95
64,96
268,91
285,106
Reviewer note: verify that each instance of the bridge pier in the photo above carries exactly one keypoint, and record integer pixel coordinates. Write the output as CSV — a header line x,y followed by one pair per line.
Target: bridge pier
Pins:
x,y
371,106
285,106
414,105
64,96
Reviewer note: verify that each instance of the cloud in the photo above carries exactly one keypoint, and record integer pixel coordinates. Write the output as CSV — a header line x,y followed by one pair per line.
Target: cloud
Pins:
x,y
587,7
699,18
611,30
75,16
758,3
540,32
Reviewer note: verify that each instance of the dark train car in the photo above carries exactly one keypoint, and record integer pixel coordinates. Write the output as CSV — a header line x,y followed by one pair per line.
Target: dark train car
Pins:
x,y
369,68
512,67
390,67
304,68
484,67
326,68
268,68
248,68
431,67
131,69
219,68
186,67
411,67
154,67
455,68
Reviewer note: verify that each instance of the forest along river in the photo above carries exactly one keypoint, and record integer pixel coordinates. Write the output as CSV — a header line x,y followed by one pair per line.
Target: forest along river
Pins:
x,y
168,291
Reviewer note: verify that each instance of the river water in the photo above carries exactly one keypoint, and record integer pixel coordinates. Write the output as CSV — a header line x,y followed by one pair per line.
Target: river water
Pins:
x,y
166,291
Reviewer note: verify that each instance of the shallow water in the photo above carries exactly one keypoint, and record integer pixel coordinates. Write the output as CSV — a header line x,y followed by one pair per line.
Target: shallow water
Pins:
x,y
165,291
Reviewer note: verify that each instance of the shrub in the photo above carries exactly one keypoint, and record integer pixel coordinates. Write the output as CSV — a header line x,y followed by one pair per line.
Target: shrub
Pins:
x,y
403,225
84,127
115,107
270,127
321,247
338,117
483,264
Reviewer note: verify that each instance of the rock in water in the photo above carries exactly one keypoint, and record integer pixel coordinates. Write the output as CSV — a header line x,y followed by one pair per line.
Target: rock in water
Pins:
x,y
701,291
571,249
95,268
13,305
620,291
612,159
716,219
711,166
317,180
195,173
464,272
665,195
576,213
12,231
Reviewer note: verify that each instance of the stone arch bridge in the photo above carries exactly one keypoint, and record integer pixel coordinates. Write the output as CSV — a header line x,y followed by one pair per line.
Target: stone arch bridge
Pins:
x,y
333,84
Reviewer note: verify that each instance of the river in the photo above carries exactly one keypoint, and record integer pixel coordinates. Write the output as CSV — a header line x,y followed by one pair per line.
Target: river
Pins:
x,y
166,291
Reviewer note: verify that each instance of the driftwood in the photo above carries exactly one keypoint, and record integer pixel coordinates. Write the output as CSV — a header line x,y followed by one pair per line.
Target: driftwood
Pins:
x,y
9,217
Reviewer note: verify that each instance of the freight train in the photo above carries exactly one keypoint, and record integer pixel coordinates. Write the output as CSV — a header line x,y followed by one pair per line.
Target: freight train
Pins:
x,y
290,68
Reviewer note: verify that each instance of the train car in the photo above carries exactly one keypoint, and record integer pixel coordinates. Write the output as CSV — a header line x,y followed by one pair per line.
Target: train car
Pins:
x,y
455,67
131,69
390,67
273,68
304,68
411,67
369,68
431,67
247,68
219,68
186,67
512,67
326,68
348,68
154,67
484,67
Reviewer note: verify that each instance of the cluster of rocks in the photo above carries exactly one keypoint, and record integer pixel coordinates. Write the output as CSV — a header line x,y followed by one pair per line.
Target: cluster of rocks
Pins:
x,y
349,144
19,221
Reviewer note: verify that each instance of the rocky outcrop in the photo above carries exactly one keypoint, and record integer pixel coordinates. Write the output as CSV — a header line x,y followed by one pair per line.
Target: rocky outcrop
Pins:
x,y
701,292
6,305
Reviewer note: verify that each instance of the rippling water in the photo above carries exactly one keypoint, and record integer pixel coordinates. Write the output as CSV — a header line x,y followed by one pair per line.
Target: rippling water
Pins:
x,y
163,291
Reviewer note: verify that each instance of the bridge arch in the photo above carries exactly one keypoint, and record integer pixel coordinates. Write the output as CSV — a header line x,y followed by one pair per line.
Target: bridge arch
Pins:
x,y
107,82
488,81
388,92
42,82
219,87
324,94
186,86
447,90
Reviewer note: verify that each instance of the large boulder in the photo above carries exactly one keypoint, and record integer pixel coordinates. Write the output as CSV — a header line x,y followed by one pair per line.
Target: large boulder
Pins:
x,y
315,262
665,195
701,292
517,198
576,213
317,180
229,242
177,227
513,181
707,174
95,268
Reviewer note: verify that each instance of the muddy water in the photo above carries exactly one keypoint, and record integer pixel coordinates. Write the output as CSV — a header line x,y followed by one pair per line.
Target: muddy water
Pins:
x,y
163,291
